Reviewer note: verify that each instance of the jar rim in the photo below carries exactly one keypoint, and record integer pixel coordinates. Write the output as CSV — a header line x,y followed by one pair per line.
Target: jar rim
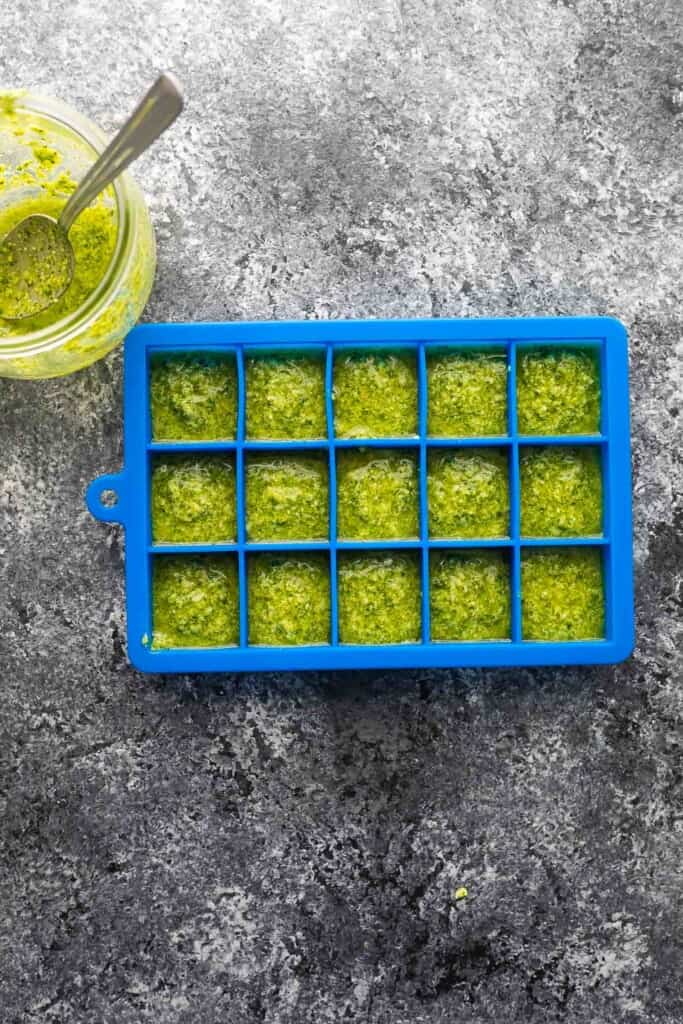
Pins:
x,y
77,320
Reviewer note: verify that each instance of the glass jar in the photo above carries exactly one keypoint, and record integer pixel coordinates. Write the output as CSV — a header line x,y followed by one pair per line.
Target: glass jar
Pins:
x,y
45,148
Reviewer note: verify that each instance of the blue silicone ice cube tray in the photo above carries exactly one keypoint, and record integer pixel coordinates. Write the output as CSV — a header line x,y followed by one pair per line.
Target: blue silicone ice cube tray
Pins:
x,y
605,337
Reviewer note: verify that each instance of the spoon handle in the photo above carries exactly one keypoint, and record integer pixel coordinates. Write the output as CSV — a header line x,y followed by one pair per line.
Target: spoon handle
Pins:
x,y
156,111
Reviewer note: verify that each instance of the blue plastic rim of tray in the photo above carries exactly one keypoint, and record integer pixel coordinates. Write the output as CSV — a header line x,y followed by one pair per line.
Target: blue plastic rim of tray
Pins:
x,y
131,487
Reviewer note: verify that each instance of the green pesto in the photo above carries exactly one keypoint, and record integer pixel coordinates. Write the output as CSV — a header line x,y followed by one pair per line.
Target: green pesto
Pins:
x,y
468,493
375,395
561,492
93,238
379,598
377,494
195,602
562,594
287,497
467,394
289,599
194,398
45,155
286,398
470,595
558,392
193,500
8,103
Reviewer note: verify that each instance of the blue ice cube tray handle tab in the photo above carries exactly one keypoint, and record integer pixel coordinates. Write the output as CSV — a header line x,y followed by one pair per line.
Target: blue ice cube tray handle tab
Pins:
x,y
131,490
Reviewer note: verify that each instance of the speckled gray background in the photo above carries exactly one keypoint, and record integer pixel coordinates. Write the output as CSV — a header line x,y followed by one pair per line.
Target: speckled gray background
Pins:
x,y
282,849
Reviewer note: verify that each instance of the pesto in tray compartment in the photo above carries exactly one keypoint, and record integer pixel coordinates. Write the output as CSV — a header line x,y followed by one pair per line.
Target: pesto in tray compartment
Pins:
x,y
284,494
285,397
375,394
562,594
194,397
466,393
470,595
195,601
289,599
558,391
379,598
377,494
468,493
193,499
287,496
561,491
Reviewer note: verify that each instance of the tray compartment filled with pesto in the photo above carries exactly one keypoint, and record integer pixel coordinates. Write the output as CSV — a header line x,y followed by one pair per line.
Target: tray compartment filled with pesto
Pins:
x,y
358,494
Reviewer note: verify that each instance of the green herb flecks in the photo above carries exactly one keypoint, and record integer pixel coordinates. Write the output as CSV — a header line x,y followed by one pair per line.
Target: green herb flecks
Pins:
x,y
194,398
193,500
45,155
468,493
289,600
558,392
375,395
287,497
470,595
561,492
285,398
377,494
379,598
467,394
562,594
195,601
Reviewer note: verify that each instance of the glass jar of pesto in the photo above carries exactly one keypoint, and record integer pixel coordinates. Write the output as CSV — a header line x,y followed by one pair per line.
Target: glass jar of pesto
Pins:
x,y
45,149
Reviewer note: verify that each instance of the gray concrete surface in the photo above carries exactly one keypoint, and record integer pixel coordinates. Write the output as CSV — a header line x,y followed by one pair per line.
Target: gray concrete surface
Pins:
x,y
281,849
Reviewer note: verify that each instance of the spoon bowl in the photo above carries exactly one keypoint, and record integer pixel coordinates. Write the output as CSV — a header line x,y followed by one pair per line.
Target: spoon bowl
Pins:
x,y
36,267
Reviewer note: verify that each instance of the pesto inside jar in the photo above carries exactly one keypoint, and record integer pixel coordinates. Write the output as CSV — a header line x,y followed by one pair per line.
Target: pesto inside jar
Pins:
x,y
45,148
41,183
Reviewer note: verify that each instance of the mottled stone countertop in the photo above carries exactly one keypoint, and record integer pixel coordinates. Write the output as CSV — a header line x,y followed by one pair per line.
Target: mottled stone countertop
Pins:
x,y
284,849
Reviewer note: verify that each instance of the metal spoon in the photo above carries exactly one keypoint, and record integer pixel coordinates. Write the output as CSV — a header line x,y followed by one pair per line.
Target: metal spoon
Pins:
x,y
36,257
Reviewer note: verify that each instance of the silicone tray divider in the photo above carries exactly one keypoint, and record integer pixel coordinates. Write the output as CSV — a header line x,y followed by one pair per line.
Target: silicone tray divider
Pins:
x,y
423,492
332,488
241,500
516,555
